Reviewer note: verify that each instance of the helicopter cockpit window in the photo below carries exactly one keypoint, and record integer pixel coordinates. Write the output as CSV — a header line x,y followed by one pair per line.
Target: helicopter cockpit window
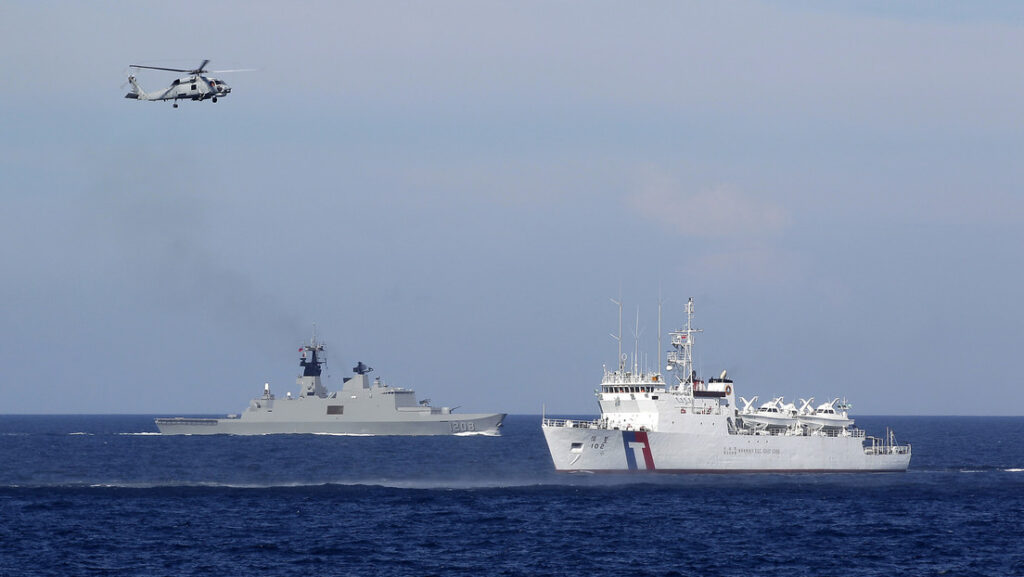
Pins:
x,y
175,83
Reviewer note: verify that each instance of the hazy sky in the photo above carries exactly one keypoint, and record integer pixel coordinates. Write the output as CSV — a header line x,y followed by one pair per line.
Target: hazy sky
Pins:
x,y
452,191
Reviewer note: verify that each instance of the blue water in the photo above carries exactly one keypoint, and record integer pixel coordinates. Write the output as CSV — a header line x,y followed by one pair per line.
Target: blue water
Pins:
x,y
105,495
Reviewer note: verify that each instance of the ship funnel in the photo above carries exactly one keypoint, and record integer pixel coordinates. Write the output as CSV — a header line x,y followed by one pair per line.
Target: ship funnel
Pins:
x,y
722,376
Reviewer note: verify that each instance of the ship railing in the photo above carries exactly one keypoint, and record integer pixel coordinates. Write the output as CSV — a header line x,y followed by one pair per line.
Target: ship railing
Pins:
x,y
574,423
883,447
887,449
837,432
800,431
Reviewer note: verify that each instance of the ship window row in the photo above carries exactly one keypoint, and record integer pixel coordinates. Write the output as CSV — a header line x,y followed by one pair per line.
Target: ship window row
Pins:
x,y
613,389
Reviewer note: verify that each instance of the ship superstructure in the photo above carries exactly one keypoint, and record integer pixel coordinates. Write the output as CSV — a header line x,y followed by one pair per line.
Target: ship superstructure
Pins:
x,y
361,407
678,422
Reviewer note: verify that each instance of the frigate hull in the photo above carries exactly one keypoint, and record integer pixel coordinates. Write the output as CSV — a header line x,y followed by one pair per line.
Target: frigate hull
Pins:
x,y
468,424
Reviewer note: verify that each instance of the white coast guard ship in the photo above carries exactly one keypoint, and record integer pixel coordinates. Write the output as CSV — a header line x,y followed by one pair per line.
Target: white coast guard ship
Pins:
x,y
687,425
361,407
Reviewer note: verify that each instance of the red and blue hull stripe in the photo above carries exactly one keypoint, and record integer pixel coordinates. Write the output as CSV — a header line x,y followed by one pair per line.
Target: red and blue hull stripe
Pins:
x,y
637,447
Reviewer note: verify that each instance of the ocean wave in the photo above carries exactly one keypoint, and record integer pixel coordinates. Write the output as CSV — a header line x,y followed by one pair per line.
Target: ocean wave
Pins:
x,y
576,481
363,483
991,470
141,434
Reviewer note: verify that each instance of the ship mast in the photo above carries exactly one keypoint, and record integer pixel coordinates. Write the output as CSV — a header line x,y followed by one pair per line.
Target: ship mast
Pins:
x,y
680,359
311,367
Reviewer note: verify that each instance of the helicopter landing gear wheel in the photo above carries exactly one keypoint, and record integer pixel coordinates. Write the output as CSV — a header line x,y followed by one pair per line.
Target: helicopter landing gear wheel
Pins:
x,y
214,99
175,104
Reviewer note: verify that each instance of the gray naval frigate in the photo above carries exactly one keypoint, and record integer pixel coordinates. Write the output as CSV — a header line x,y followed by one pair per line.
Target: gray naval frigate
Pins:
x,y
361,407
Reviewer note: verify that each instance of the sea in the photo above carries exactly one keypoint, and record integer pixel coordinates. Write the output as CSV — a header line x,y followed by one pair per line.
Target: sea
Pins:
x,y
107,495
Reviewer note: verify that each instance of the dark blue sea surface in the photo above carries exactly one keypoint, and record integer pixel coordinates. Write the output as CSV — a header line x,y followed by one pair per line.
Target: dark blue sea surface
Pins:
x,y
106,495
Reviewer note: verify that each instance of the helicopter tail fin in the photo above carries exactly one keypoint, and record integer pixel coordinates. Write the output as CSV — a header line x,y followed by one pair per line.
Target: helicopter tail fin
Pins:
x,y
137,91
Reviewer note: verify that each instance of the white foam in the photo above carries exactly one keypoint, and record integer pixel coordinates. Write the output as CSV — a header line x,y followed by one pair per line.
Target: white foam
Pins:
x,y
384,483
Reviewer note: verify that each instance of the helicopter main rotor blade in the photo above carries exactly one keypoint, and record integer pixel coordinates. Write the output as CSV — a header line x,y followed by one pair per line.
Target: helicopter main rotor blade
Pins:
x,y
233,70
160,68
201,67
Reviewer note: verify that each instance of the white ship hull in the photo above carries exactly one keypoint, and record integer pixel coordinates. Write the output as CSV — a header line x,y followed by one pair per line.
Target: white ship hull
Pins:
x,y
574,448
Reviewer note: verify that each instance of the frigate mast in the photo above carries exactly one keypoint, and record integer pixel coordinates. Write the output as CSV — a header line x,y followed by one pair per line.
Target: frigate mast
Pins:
x,y
680,358
318,357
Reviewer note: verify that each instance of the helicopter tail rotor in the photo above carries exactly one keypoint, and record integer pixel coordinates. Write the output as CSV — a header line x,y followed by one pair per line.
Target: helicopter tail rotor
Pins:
x,y
136,92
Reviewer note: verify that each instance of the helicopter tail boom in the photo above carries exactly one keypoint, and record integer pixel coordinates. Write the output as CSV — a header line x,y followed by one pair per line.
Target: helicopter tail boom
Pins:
x,y
137,93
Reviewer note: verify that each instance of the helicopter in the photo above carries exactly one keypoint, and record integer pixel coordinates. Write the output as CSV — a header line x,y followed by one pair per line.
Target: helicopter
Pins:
x,y
196,86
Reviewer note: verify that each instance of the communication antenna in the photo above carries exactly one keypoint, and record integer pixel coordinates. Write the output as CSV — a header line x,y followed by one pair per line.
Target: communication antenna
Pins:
x,y
660,302
619,336
636,342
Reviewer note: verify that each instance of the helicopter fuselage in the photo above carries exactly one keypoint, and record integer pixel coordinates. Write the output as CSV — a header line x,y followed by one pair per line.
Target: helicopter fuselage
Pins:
x,y
187,88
